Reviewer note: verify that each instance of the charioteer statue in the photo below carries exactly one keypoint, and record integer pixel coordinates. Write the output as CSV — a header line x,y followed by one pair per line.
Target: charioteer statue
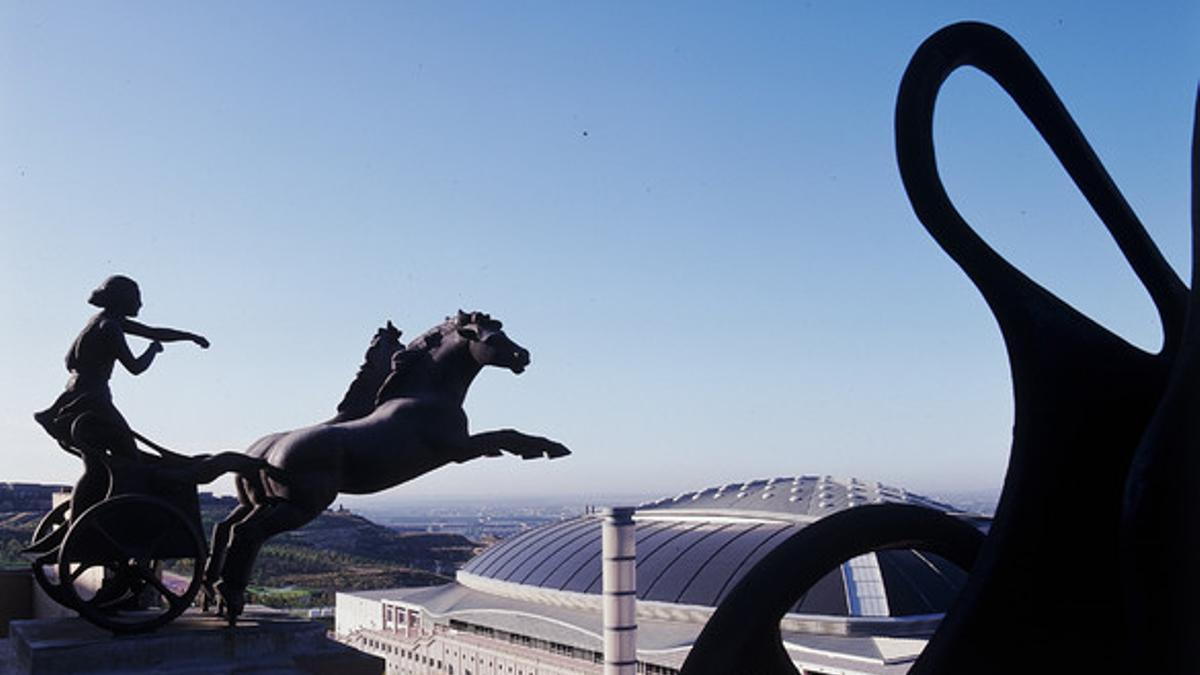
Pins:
x,y
84,414
134,517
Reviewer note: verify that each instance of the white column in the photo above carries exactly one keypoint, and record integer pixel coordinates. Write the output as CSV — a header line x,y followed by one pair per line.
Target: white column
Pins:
x,y
620,591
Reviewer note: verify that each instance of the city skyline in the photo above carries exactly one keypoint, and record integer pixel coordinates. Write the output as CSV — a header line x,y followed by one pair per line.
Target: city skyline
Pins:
x,y
690,214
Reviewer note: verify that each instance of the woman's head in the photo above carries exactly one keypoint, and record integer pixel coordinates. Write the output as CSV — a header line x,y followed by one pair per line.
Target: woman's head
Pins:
x,y
118,294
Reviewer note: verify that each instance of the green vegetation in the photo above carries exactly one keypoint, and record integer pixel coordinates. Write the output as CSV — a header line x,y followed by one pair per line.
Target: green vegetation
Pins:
x,y
16,529
284,598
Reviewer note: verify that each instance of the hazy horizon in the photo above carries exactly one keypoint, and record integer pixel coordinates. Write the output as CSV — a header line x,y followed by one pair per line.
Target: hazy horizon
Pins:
x,y
392,501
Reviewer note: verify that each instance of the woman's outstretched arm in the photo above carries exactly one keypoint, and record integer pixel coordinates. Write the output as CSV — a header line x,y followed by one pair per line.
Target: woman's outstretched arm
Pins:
x,y
162,334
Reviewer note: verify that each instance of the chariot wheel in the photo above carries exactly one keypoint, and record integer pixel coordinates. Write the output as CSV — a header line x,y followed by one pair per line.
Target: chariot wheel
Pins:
x,y
131,563
50,522
45,565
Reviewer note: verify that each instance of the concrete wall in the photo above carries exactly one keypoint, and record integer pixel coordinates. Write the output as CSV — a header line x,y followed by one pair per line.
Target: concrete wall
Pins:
x,y
16,597
355,613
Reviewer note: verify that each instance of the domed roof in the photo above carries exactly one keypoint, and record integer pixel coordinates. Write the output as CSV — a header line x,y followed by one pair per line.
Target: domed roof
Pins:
x,y
693,548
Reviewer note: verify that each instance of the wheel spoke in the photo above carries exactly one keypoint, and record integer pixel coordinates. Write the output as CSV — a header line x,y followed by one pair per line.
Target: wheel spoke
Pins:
x,y
151,578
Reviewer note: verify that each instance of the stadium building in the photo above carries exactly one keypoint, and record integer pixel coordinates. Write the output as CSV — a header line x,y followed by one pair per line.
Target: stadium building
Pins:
x,y
532,604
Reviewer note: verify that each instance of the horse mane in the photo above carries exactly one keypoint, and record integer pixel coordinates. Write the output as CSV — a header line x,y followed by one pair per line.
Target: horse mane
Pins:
x,y
412,366
359,400
432,338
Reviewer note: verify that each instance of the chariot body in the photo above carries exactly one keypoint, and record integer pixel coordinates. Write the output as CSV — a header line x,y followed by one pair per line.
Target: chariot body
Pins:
x,y
132,558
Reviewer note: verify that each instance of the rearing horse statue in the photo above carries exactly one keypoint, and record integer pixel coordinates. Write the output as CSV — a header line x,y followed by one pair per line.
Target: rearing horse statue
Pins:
x,y
416,425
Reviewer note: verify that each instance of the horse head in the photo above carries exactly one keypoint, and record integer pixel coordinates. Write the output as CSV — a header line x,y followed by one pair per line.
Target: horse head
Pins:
x,y
487,342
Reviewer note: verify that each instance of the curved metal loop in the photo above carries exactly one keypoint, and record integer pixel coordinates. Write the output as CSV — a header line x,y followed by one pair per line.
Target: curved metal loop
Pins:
x,y
743,634
1160,537
1083,397
995,53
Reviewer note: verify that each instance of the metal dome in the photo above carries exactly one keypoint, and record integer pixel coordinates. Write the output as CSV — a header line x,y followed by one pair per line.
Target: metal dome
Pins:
x,y
693,548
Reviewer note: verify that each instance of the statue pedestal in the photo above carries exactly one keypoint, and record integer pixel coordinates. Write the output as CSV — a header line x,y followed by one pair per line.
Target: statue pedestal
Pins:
x,y
264,641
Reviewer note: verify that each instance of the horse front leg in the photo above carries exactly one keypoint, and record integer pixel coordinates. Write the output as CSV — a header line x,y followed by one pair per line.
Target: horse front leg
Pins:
x,y
494,443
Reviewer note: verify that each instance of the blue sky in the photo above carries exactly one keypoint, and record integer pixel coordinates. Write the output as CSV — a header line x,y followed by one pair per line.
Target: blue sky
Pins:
x,y
688,212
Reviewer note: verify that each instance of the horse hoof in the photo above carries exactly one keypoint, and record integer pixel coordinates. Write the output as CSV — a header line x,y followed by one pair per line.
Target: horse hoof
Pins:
x,y
233,600
208,596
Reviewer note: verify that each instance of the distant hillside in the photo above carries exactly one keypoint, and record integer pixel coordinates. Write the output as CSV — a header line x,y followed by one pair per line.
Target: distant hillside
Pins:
x,y
16,497
348,533
339,550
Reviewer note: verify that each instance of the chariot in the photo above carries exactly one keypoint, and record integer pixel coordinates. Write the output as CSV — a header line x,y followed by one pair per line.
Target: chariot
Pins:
x,y
133,560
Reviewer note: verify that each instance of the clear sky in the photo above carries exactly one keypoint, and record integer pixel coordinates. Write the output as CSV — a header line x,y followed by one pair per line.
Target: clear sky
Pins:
x,y
689,212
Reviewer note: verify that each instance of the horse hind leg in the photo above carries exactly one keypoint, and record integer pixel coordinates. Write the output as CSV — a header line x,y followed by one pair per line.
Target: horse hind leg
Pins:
x,y
245,541
220,543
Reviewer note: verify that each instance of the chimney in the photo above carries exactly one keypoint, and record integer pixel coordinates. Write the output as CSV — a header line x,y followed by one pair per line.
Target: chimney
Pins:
x,y
620,591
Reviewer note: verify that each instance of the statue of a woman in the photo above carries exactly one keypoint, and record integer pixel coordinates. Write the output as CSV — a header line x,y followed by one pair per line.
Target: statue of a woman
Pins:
x,y
90,362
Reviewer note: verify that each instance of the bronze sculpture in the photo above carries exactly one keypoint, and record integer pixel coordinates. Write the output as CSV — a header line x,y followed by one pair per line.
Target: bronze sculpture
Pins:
x,y
1104,456
360,398
84,414
133,517
416,424
90,362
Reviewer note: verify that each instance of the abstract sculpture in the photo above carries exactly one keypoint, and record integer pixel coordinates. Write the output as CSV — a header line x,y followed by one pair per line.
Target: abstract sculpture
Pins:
x,y
1084,396
743,636
1092,553
1160,535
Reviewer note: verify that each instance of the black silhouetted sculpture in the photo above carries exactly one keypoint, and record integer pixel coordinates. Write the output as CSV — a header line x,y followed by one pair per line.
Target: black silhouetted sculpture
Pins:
x,y
1046,591
90,362
134,515
1048,578
84,414
1161,518
743,634
360,398
417,425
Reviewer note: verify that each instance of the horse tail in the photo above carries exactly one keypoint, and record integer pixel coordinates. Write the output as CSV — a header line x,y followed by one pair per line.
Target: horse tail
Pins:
x,y
252,488
253,485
